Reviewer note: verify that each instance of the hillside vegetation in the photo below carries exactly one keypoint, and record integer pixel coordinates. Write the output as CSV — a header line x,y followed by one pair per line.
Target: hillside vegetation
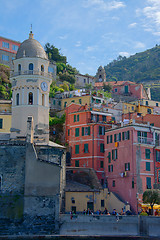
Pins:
x,y
5,86
141,67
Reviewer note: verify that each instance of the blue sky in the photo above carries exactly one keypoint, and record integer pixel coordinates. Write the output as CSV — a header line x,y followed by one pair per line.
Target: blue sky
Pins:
x,y
89,32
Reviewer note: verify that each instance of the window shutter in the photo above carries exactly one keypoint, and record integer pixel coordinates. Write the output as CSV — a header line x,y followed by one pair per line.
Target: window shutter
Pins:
x,y
88,130
122,135
82,131
128,135
74,118
78,118
114,137
119,137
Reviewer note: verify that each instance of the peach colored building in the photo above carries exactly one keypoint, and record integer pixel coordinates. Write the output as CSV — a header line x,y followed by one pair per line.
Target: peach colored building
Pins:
x,y
85,130
129,161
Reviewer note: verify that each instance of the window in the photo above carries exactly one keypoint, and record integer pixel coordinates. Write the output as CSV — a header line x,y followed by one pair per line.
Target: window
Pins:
x,y
65,104
59,103
148,166
77,132
1,123
76,149
54,102
102,147
42,68
126,135
17,99
104,118
85,131
127,166
110,168
110,138
114,154
5,44
80,101
86,148
43,100
149,111
126,89
132,183
50,70
109,157
157,156
31,66
147,153
19,67
148,183
101,130
77,163
14,47
115,137
30,98
68,132
146,103
113,183
101,164
102,203
77,118
132,108
115,90
73,201
107,139
5,58
74,118
84,80
156,104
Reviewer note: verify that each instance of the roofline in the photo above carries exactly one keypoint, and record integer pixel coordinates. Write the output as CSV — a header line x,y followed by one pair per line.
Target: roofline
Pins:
x,y
10,40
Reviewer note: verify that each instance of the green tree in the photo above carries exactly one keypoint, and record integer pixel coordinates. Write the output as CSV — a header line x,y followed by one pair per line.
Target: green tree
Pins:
x,y
107,87
151,196
67,77
54,53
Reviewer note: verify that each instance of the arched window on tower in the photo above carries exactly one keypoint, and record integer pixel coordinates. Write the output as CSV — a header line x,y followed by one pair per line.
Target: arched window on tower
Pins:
x,y
17,99
42,69
31,68
30,98
43,100
19,68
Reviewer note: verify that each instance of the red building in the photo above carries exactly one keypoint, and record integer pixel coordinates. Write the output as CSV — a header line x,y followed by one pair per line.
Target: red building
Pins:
x,y
8,50
130,155
85,130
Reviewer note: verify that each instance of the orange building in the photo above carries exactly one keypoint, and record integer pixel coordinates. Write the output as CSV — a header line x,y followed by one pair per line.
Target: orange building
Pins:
x,y
85,130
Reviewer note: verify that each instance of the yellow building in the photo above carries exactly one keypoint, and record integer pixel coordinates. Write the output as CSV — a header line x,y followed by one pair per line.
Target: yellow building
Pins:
x,y
83,190
136,107
150,103
5,116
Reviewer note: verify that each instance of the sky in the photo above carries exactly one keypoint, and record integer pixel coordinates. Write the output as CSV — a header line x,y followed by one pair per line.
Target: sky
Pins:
x,y
89,32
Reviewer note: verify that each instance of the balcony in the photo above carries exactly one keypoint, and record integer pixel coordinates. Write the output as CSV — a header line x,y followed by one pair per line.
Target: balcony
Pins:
x,y
31,72
145,140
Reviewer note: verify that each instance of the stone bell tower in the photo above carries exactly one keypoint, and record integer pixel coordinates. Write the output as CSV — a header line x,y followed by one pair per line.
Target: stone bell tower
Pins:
x,y
101,75
30,90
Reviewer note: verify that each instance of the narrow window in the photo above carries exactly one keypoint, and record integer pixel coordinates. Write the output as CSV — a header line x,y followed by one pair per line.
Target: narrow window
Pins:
x,y
101,164
102,147
42,68
1,123
17,99
119,137
68,132
19,67
148,182
107,139
110,138
109,157
78,118
80,101
102,203
148,166
77,132
147,153
30,98
76,149
31,67
77,163
43,100
113,183
132,183
74,118
86,148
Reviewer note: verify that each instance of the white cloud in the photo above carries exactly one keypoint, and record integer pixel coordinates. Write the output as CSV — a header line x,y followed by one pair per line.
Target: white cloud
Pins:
x,y
91,48
132,25
139,45
63,37
104,5
124,54
78,44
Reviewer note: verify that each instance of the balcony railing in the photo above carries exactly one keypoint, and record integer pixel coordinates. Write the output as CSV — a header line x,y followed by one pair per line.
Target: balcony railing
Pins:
x,y
31,72
145,140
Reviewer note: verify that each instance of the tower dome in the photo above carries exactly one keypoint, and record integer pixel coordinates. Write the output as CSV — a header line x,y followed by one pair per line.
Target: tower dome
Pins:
x,y
31,48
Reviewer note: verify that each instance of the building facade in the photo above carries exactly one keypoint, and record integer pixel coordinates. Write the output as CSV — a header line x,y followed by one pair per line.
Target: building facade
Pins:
x,y
130,159
85,129
82,80
8,50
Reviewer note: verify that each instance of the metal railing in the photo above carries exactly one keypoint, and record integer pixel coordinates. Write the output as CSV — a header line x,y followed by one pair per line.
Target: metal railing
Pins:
x,y
31,72
145,140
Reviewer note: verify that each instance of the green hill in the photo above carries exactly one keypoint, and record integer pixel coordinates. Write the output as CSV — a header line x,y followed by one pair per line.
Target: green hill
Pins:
x,y
141,67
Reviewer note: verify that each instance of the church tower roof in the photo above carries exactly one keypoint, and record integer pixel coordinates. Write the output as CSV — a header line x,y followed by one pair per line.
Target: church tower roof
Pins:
x,y
31,48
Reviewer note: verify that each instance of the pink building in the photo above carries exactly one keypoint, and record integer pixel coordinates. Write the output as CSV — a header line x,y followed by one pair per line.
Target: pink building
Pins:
x,y
129,161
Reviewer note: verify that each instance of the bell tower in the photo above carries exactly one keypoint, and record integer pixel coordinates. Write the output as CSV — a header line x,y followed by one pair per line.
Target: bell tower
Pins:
x,y
30,90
